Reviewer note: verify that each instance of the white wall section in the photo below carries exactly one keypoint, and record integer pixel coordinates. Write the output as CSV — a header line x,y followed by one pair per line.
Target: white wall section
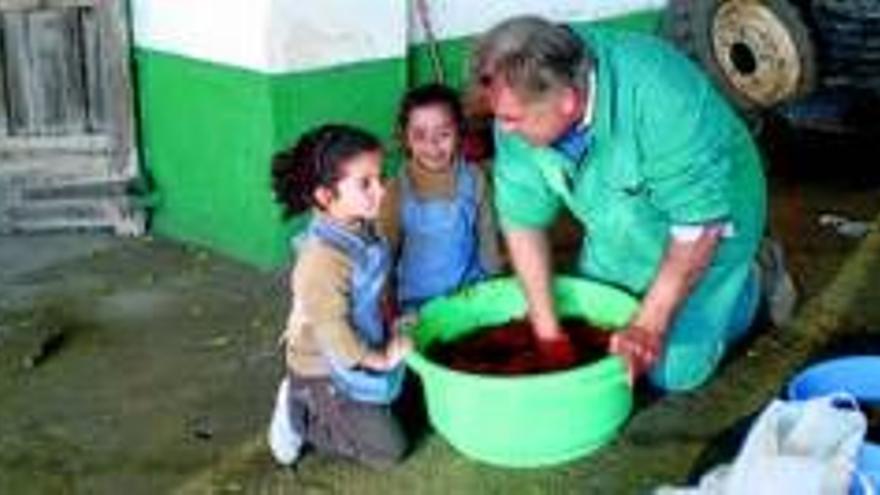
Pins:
x,y
459,18
308,34
282,36
272,36
231,32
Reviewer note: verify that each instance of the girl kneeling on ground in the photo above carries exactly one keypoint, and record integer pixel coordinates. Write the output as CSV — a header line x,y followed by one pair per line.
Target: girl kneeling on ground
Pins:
x,y
344,365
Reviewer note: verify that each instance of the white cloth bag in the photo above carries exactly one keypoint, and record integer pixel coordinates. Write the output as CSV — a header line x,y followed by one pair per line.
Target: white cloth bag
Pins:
x,y
798,447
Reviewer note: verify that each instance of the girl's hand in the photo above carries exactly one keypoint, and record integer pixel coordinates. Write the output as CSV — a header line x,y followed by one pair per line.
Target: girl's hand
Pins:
x,y
399,347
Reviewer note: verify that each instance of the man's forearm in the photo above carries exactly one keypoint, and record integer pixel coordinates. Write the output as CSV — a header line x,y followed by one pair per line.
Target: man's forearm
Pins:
x,y
683,264
530,256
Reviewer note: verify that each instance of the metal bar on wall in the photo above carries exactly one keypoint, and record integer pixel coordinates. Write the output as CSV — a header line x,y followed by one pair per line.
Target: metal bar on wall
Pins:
x,y
4,107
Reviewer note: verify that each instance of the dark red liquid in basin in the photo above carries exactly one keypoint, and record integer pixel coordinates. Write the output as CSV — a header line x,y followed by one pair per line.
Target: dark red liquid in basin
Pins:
x,y
511,349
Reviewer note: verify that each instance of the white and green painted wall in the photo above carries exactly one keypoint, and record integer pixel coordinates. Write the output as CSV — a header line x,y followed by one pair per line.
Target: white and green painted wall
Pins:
x,y
222,84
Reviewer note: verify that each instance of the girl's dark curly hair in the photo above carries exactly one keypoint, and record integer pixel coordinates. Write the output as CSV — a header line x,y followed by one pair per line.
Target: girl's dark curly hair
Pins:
x,y
426,95
316,160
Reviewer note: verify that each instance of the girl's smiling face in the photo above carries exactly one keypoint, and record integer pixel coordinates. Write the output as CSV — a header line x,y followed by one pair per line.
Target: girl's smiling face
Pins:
x,y
432,137
357,195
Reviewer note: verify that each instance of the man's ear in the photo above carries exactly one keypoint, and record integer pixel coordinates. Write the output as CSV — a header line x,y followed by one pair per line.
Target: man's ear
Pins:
x,y
571,101
323,196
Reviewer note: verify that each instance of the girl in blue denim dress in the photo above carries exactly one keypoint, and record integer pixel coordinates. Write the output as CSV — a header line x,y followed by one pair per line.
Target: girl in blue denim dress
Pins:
x,y
438,212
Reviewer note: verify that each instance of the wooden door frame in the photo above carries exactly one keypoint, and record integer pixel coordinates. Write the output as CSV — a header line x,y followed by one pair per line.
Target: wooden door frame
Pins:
x,y
117,141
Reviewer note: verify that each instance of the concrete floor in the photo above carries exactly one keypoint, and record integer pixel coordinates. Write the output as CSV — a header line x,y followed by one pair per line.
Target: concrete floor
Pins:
x,y
143,366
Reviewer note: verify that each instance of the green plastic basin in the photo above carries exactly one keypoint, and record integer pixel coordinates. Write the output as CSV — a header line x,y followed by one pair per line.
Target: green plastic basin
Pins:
x,y
532,420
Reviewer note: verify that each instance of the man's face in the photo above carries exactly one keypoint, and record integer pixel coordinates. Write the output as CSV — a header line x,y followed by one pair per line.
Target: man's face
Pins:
x,y
539,122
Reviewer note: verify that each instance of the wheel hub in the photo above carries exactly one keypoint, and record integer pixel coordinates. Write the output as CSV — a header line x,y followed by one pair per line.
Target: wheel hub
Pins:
x,y
755,51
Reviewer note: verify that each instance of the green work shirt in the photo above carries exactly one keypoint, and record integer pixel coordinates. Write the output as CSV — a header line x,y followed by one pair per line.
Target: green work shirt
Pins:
x,y
666,150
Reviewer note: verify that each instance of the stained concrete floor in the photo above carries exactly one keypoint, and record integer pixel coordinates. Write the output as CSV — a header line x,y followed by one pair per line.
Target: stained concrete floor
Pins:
x,y
143,366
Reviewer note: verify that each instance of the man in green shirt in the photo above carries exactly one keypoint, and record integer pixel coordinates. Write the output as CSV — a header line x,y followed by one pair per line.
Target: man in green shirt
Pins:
x,y
630,137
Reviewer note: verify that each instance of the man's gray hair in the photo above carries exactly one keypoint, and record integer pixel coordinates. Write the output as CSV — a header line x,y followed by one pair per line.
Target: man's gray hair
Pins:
x,y
533,56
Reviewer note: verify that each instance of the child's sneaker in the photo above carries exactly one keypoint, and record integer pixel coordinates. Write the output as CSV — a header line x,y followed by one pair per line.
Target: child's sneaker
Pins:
x,y
284,441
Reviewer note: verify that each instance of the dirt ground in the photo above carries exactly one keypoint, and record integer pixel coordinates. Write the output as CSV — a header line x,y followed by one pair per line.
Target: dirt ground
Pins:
x,y
145,366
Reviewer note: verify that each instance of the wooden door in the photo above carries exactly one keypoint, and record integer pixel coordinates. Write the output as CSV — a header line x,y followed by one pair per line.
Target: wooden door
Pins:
x,y
67,150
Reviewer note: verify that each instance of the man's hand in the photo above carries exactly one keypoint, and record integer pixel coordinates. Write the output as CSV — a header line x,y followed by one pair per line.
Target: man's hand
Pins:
x,y
556,353
684,262
639,347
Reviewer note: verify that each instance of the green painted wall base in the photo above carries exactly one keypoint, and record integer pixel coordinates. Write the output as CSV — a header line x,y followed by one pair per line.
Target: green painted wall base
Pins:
x,y
208,132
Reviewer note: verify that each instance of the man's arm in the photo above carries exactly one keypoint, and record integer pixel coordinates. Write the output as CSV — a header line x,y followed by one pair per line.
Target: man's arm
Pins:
x,y
683,264
530,256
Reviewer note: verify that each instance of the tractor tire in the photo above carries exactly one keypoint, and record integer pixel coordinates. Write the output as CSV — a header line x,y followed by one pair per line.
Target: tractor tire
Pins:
x,y
866,10
848,33
758,52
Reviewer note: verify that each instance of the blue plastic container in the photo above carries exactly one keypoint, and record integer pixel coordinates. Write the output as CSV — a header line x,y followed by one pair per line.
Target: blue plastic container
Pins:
x,y
858,376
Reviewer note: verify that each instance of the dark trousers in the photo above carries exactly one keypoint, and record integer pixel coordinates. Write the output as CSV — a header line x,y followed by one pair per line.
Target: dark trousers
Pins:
x,y
334,424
